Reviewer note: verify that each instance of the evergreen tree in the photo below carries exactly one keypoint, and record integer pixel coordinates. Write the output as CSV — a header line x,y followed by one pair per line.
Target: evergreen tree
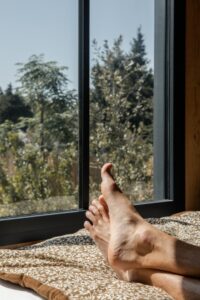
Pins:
x,y
140,81
122,112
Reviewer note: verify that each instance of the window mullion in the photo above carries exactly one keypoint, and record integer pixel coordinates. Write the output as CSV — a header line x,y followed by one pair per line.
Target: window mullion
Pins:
x,y
160,101
83,103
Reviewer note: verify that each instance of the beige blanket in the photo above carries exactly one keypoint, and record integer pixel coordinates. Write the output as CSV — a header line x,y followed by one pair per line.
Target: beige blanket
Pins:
x,y
71,266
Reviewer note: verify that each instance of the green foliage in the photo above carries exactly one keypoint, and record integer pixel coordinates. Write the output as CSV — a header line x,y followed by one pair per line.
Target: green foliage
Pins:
x,y
122,115
39,129
39,151
45,87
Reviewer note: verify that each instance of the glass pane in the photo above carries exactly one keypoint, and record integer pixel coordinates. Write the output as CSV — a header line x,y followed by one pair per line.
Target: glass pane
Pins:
x,y
38,106
121,94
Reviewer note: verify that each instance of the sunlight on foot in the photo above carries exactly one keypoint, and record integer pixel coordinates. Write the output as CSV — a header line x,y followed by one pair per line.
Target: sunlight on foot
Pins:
x,y
130,235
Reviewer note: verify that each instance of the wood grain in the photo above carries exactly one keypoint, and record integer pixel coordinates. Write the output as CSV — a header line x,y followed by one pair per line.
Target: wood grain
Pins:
x,y
192,105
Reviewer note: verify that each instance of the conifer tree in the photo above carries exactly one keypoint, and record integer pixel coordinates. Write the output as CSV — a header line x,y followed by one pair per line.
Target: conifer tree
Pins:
x,y
121,114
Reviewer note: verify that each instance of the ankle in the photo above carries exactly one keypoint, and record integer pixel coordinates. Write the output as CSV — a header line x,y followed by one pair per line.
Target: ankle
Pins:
x,y
145,242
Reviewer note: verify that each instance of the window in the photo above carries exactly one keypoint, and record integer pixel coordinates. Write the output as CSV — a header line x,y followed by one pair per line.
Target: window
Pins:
x,y
39,107
155,125
121,94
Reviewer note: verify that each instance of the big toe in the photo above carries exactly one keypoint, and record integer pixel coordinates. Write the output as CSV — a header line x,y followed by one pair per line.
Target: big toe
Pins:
x,y
108,184
105,172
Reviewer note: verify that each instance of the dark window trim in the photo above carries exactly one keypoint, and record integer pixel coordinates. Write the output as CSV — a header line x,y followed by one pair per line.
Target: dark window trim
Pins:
x,y
84,75
38,227
169,178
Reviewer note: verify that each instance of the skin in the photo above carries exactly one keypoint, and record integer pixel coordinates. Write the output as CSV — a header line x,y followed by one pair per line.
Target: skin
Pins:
x,y
136,250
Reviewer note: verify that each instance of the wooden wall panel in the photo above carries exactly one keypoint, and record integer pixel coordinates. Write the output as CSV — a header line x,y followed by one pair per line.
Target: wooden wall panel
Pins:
x,y
193,105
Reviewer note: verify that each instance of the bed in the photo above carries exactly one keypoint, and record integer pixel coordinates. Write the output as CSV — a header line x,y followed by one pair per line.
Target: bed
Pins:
x,y
72,267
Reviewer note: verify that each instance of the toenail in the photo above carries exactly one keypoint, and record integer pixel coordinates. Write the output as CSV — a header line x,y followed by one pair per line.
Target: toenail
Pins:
x,y
87,213
86,224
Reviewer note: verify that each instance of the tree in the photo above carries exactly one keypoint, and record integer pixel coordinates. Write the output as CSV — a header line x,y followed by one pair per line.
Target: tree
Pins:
x,y
122,113
45,88
39,152
140,82
54,127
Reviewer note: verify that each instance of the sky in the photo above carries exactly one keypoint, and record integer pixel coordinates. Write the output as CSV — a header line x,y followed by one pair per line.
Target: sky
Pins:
x,y
50,27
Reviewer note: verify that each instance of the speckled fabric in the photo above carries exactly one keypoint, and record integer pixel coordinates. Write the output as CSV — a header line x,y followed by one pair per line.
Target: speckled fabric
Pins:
x,y
71,266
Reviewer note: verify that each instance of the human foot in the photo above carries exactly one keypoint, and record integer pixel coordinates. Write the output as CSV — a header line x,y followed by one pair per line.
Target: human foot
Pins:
x,y
130,235
99,231
179,287
134,243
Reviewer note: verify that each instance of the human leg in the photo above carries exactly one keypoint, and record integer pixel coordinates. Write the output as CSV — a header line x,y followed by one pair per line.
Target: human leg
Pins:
x,y
177,286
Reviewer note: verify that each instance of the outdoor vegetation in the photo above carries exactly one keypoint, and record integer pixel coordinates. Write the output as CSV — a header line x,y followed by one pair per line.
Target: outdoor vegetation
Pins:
x,y
39,130
121,114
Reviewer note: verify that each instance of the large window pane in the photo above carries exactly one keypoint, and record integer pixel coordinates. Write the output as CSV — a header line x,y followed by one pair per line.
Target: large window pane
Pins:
x,y
121,94
38,106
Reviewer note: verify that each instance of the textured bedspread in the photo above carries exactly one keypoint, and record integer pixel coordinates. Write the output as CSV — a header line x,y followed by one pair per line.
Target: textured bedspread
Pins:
x,y
71,266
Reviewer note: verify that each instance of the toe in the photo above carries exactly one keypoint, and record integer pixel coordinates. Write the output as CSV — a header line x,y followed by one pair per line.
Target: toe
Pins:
x,y
88,227
91,217
99,209
94,210
104,210
108,184
105,172
95,204
103,203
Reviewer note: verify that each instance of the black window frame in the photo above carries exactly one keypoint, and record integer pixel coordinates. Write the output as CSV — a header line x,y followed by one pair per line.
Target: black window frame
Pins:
x,y
169,128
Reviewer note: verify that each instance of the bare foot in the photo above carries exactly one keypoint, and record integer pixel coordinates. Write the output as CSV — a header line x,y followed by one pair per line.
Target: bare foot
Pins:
x,y
100,228
131,236
134,243
119,231
135,249
99,231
